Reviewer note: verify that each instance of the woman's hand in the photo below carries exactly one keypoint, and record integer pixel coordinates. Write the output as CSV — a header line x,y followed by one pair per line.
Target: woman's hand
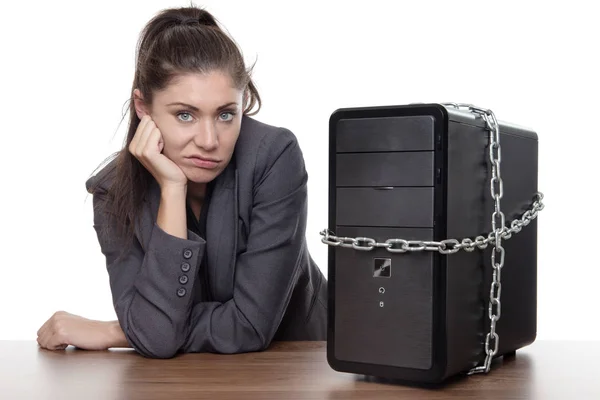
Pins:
x,y
63,329
147,146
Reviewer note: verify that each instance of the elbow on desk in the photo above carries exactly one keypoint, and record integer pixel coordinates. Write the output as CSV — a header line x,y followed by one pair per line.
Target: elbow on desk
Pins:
x,y
153,341
150,347
159,352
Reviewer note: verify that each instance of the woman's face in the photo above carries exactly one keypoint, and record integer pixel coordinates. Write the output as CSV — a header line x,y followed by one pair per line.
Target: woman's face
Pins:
x,y
199,116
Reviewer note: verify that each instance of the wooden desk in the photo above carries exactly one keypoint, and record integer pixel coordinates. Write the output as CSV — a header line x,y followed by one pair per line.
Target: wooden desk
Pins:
x,y
287,371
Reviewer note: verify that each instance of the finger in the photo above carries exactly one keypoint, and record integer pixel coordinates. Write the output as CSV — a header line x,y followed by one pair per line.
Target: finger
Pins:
x,y
43,339
134,141
154,141
142,134
149,148
146,134
56,342
52,341
49,330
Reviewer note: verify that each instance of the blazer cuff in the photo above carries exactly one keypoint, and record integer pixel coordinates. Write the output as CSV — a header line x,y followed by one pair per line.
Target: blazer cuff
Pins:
x,y
167,278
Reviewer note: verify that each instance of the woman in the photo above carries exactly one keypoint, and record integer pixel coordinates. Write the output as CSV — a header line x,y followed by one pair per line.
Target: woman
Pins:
x,y
202,214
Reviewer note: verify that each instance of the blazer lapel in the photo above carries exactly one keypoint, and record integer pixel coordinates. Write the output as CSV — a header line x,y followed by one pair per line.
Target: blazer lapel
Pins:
x,y
222,233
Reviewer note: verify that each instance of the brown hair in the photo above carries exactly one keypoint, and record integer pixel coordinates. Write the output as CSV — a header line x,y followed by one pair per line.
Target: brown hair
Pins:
x,y
175,41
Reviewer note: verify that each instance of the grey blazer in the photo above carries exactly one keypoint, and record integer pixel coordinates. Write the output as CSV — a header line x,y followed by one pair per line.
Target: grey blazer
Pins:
x,y
263,282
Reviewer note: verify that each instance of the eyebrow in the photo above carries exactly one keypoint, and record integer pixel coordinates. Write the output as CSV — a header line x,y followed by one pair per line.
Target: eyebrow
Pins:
x,y
178,103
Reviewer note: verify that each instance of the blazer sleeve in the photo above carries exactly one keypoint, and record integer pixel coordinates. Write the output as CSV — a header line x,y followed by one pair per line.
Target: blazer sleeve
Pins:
x,y
152,310
266,273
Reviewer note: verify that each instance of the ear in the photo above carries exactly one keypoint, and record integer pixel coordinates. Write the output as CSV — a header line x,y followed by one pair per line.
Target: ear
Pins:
x,y
140,106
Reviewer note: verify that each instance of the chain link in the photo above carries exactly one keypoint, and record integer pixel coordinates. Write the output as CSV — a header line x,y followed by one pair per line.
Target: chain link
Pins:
x,y
451,246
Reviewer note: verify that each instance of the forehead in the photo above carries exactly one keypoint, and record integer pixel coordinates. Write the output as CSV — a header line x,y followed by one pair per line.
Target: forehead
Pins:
x,y
202,90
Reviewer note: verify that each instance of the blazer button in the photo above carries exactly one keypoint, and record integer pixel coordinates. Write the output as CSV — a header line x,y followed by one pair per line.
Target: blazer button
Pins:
x,y
187,254
183,279
185,267
181,292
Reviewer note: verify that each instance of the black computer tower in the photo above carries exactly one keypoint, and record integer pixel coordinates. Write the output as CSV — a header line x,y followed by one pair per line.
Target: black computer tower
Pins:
x,y
422,172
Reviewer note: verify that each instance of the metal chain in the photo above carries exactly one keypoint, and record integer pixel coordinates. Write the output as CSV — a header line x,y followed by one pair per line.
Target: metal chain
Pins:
x,y
450,246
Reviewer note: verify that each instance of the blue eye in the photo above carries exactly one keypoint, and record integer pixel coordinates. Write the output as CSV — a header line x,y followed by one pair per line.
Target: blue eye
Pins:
x,y
230,113
186,120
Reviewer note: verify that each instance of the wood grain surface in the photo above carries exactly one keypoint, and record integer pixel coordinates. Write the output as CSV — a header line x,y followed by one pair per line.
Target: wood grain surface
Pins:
x,y
286,371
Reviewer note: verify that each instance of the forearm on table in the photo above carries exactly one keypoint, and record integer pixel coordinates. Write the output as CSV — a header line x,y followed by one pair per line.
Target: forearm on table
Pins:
x,y
116,336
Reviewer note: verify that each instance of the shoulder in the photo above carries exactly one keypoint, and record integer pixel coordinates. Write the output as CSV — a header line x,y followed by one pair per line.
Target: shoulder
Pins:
x,y
101,181
261,145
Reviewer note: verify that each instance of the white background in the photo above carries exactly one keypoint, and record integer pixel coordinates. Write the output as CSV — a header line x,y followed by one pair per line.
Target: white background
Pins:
x,y
67,68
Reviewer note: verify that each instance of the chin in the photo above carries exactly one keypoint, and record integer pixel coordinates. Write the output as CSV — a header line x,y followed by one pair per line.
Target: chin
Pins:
x,y
202,175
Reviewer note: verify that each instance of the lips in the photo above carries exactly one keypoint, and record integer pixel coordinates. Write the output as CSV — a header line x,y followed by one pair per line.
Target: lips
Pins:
x,y
204,158
203,163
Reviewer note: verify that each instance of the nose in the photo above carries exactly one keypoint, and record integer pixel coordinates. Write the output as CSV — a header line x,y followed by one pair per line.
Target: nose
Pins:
x,y
207,136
